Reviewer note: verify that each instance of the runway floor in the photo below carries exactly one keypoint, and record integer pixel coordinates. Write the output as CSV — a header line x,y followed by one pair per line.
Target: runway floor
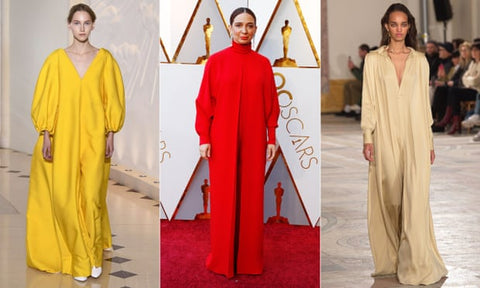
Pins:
x,y
134,221
455,199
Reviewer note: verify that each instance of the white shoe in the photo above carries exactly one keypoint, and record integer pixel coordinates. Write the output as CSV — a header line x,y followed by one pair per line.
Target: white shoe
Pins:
x,y
476,138
109,249
473,120
96,272
355,108
347,109
80,278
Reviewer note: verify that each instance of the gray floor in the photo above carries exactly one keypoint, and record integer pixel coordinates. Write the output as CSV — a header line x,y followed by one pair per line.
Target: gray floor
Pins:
x,y
133,219
455,200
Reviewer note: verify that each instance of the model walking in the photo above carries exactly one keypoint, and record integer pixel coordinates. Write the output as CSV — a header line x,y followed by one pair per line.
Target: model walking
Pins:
x,y
77,107
398,143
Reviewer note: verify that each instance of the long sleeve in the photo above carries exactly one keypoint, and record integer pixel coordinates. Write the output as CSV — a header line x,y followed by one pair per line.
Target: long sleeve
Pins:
x,y
45,98
205,104
424,80
113,95
368,122
471,78
272,108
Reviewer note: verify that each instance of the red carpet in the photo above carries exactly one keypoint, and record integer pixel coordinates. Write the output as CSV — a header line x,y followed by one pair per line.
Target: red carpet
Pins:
x,y
291,254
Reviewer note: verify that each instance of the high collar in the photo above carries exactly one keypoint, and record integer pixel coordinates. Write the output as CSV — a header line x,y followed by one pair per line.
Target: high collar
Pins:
x,y
243,49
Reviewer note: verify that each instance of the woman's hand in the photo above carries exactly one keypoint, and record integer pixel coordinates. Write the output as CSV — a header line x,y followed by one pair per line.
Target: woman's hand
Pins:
x,y
205,150
271,148
47,146
432,156
368,151
109,145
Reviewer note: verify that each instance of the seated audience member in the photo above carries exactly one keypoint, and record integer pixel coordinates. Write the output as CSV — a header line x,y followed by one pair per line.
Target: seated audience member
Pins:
x,y
445,51
471,82
439,102
456,43
352,91
474,119
442,85
431,52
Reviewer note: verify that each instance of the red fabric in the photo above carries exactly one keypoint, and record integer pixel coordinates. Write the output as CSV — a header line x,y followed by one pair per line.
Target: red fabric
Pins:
x,y
236,106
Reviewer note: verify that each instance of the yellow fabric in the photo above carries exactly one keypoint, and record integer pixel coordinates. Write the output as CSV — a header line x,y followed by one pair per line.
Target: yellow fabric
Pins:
x,y
67,217
397,119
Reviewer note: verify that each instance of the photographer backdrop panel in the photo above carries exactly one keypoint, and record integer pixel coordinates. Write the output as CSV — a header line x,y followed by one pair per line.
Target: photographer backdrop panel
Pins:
x,y
181,171
129,29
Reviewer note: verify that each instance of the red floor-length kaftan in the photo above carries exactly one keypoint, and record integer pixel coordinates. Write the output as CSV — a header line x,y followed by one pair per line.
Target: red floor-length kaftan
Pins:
x,y
237,105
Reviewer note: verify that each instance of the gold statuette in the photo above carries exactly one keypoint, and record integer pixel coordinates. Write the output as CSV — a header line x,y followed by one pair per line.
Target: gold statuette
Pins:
x,y
285,61
207,30
205,195
278,201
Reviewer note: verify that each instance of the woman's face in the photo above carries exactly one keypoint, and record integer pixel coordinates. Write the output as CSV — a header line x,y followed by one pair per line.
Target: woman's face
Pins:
x,y
81,26
455,61
476,54
464,52
243,28
397,26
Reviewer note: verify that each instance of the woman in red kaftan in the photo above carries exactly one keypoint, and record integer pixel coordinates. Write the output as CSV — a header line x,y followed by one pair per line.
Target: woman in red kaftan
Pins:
x,y
237,108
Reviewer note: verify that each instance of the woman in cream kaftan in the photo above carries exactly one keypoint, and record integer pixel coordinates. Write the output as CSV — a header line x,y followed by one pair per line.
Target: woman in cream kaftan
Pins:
x,y
67,218
396,118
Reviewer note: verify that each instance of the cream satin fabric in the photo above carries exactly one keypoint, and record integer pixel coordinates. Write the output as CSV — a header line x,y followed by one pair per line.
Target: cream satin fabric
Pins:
x,y
397,119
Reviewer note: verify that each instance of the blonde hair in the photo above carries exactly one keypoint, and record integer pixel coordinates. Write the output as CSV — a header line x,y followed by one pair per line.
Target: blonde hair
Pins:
x,y
464,62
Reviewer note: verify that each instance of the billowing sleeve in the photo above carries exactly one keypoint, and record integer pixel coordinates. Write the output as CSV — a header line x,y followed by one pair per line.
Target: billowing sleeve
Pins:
x,y
113,95
205,105
272,108
369,121
425,70
45,97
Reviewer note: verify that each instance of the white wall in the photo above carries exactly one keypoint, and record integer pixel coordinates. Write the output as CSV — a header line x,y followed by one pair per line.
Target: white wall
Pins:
x,y
31,30
360,23
36,29
129,29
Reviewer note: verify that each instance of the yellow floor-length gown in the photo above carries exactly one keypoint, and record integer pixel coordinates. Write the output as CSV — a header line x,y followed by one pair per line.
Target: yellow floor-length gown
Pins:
x,y
67,218
396,118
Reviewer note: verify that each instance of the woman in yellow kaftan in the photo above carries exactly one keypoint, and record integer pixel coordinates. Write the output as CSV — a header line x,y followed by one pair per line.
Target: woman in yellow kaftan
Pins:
x,y
77,106
396,120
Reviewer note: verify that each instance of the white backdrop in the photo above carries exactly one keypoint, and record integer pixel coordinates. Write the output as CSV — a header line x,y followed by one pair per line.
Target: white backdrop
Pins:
x,y
299,93
31,30
129,29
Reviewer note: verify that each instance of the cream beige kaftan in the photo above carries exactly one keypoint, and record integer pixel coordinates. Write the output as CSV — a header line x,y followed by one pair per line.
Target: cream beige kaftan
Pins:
x,y
397,119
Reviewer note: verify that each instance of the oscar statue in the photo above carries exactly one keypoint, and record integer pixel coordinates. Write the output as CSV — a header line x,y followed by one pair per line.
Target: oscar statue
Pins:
x,y
207,30
278,201
285,61
205,193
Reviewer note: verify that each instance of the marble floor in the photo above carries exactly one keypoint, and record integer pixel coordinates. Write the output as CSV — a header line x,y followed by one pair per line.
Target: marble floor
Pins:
x,y
135,227
455,200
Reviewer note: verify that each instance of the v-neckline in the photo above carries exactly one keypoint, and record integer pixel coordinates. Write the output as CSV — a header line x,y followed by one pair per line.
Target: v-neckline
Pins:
x,y
397,81
81,77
